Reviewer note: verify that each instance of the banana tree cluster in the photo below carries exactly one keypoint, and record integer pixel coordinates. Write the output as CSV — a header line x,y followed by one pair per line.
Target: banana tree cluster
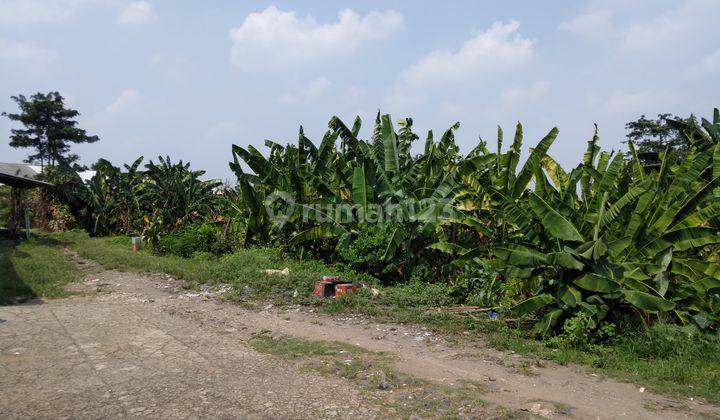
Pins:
x,y
162,198
606,236
111,198
334,190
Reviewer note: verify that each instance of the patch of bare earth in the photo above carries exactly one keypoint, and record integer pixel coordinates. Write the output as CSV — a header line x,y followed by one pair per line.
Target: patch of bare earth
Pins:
x,y
135,345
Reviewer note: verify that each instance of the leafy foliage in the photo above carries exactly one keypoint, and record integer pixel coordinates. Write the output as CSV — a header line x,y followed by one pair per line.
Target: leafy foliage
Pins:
x,y
366,252
609,239
163,199
606,238
306,183
613,239
653,137
49,127
199,238
174,196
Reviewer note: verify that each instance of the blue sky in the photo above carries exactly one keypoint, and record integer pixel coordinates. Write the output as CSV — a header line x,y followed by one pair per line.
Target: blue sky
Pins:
x,y
189,78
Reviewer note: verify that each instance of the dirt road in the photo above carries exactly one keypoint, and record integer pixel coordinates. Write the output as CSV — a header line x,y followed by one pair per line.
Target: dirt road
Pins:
x,y
143,346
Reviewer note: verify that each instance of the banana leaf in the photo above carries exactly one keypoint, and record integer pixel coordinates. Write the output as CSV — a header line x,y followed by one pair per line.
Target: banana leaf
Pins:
x,y
647,302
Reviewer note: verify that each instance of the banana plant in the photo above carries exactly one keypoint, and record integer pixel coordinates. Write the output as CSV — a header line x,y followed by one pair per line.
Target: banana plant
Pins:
x,y
605,236
608,235
623,241
111,198
174,196
102,206
358,173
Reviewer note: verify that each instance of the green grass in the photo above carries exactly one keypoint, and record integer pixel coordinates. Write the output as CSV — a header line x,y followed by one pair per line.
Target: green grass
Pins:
x,y
669,359
35,268
242,269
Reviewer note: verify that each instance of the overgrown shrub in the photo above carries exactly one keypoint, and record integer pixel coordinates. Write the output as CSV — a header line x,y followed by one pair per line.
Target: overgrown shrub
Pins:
x,y
65,206
198,238
478,286
365,252
420,294
48,213
581,331
61,218
175,196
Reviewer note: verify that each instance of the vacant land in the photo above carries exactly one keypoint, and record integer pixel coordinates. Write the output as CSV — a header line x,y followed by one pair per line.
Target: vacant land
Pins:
x,y
149,344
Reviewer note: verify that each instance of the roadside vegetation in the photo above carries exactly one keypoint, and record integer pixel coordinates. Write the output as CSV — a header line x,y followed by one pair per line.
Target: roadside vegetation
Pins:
x,y
613,263
35,268
666,358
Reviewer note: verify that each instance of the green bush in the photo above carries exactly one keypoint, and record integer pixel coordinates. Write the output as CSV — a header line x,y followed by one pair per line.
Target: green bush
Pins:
x,y
365,253
420,294
478,286
197,239
581,331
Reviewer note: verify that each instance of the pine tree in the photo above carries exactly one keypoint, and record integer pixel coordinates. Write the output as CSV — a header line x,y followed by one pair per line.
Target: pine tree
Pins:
x,y
49,128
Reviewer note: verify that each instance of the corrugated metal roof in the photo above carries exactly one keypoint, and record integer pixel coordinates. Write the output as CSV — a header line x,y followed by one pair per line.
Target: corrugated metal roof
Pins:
x,y
21,175
19,169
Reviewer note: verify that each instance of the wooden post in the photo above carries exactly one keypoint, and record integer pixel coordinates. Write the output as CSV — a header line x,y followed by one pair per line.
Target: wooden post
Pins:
x,y
14,211
27,213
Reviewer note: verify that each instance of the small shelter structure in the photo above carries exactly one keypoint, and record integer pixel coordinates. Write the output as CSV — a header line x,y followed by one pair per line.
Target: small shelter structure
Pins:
x,y
21,178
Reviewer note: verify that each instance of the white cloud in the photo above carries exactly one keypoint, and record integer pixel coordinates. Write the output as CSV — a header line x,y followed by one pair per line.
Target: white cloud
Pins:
x,y
525,96
639,102
129,99
43,11
593,25
499,48
22,51
274,37
309,94
136,12
131,106
691,19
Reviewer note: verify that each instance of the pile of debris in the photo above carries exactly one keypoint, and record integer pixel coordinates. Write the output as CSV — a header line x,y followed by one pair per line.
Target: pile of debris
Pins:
x,y
333,287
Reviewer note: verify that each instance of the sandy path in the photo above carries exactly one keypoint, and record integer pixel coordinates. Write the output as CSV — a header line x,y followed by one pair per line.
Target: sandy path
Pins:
x,y
143,347
118,355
